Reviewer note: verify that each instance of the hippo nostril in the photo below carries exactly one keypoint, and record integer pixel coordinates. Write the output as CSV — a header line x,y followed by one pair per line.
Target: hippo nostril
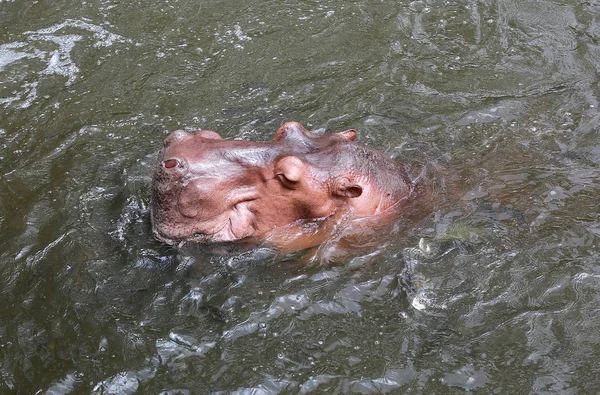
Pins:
x,y
171,163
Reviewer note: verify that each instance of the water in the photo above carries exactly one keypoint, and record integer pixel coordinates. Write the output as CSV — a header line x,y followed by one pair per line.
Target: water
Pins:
x,y
494,291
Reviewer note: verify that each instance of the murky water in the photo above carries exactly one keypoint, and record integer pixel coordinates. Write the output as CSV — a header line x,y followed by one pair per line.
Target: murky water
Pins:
x,y
495,291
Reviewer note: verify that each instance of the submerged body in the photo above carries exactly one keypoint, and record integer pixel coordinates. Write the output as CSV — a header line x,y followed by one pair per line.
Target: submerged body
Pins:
x,y
290,193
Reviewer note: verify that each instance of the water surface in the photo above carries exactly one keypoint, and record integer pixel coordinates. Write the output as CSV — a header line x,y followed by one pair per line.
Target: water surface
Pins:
x,y
495,290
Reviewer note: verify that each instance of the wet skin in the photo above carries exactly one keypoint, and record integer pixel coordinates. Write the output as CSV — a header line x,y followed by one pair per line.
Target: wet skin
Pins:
x,y
290,193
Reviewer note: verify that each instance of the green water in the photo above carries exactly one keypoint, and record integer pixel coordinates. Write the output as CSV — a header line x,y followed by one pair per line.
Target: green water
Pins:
x,y
496,290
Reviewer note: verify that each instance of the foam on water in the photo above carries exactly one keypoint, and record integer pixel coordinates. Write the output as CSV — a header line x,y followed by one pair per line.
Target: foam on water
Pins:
x,y
53,48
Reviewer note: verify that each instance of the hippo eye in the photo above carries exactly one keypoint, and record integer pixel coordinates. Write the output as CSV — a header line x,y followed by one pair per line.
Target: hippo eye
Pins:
x,y
286,181
283,178
290,170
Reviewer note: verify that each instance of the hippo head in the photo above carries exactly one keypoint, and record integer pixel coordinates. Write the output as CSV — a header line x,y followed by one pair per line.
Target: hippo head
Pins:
x,y
207,189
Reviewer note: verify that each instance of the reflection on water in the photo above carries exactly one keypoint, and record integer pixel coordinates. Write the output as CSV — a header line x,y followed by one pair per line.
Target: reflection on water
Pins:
x,y
494,290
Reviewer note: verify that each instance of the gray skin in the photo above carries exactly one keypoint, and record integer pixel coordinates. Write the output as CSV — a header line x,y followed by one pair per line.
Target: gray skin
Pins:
x,y
210,190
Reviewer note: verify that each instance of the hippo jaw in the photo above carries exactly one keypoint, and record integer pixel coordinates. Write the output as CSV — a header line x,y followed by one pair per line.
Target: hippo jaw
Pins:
x,y
184,211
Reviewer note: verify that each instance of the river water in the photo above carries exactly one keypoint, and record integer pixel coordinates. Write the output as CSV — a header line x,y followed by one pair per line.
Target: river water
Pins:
x,y
494,290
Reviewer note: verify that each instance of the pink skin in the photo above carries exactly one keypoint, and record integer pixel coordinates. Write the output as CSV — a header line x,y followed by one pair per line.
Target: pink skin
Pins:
x,y
211,190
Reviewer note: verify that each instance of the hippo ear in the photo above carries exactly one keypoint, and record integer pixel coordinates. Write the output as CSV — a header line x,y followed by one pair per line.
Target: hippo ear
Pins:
x,y
209,134
291,131
349,134
344,187
290,170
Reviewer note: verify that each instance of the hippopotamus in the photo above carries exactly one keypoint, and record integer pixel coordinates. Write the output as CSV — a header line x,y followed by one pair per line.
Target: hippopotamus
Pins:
x,y
290,193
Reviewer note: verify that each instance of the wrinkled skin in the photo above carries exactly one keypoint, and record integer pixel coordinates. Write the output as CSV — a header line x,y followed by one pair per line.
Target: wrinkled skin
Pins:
x,y
289,193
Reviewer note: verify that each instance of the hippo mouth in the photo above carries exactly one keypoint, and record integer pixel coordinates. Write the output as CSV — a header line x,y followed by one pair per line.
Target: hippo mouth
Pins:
x,y
223,235
234,225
